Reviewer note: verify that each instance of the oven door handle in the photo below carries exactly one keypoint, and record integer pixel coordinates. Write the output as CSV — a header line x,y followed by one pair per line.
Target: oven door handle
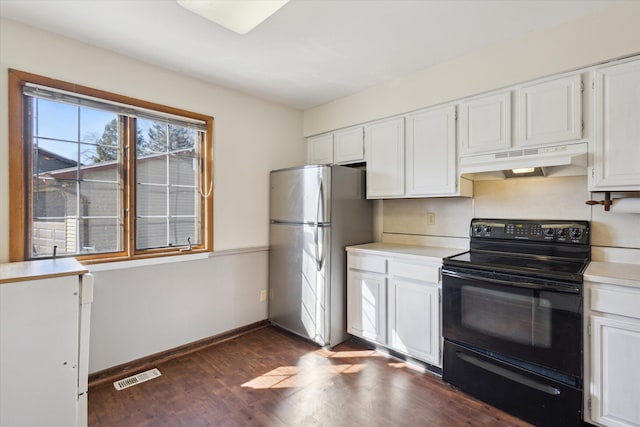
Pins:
x,y
527,285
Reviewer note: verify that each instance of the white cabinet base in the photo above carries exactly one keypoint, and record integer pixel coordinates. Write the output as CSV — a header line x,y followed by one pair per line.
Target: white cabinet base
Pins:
x,y
39,325
414,319
615,381
394,300
366,306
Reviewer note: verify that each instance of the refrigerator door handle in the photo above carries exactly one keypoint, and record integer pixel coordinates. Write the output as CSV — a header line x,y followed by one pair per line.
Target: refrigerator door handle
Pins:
x,y
320,205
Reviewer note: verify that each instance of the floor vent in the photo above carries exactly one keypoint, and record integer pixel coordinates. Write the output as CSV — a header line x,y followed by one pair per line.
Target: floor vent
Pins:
x,y
137,379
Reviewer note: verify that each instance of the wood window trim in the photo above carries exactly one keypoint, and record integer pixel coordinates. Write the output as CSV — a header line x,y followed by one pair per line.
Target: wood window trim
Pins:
x,y
19,178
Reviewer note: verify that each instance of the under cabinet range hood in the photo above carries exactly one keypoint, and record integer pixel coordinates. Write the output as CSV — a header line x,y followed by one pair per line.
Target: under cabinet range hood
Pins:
x,y
559,160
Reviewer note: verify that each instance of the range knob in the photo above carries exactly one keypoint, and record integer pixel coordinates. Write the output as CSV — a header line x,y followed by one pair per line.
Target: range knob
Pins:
x,y
477,228
548,231
562,232
487,228
575,233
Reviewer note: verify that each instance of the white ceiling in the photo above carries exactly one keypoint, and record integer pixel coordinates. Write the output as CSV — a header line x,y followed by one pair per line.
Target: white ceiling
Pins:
x,y
311,51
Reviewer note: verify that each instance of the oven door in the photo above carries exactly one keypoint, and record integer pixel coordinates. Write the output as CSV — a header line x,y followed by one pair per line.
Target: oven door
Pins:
x,y
520,320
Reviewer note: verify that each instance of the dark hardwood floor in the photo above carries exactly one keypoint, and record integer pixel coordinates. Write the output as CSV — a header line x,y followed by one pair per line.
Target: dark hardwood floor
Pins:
x,y
270,378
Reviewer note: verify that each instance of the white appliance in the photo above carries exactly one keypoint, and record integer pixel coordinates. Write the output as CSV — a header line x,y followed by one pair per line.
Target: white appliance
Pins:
x,y
559,160
316,211
44,343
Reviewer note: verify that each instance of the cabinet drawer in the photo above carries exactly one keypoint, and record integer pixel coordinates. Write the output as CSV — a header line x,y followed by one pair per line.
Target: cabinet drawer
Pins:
x,y
422,272
623,303
375,264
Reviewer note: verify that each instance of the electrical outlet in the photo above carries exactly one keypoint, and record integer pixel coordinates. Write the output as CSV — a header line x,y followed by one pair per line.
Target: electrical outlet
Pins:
x,y
263,295
431,218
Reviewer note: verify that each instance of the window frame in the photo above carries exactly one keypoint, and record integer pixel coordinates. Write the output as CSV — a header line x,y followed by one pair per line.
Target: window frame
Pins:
x,y
20,173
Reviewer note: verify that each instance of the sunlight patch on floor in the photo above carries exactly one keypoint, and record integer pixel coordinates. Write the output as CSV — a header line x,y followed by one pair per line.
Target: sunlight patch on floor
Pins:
x,y
312,367
300,376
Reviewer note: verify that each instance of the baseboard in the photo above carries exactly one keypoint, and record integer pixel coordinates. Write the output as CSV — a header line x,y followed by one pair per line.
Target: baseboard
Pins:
x,y
135,366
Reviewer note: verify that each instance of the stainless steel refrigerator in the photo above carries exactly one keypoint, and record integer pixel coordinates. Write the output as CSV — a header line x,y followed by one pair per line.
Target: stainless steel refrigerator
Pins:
x,y
315,212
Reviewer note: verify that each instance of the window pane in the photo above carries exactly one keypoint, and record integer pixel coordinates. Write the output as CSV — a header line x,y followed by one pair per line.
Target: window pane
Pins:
x,y
151,233
166,155
55,158
152,169
151,137
99,199
55,120
181,138
53,198
182,201
48,233
182,168
98,127
62,205
99,162
181,229
151,200
99,235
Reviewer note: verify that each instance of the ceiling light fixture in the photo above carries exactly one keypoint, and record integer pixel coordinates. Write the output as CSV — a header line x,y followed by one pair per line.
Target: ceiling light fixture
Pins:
x,y
240,16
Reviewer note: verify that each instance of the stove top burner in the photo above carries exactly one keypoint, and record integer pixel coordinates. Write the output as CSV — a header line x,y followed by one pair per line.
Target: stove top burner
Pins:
x,y
557,249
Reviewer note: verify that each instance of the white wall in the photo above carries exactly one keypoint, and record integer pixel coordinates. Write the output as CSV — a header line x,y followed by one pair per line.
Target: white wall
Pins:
x,y
142,310
596,37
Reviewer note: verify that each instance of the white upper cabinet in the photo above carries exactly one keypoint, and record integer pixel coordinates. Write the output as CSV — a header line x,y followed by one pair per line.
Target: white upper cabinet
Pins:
x,y
616,148
431,152
342,147
349,145
486,123
384,142
550,111
320,149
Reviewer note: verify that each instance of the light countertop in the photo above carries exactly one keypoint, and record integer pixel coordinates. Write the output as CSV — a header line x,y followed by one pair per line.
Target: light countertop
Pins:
x,y
613,273
40,269
424,253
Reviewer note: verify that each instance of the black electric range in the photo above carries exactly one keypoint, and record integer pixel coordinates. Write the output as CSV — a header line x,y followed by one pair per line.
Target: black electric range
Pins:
x,y
512,317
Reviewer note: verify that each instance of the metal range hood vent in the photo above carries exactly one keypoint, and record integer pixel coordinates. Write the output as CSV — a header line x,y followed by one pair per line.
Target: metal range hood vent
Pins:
x,y
559,160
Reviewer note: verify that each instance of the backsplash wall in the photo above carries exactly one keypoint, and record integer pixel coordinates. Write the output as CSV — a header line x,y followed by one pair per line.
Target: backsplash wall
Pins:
x,y
405,220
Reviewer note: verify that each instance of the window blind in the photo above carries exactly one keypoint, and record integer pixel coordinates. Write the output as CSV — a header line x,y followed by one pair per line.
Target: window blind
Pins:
x,y
44,92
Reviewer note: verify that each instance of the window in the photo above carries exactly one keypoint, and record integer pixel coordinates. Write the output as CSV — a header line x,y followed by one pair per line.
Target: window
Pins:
x,y
104,177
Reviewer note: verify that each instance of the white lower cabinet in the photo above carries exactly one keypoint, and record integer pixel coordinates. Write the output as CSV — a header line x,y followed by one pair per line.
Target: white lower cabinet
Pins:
x,y
612,378
44,348
366,306
395,302
414,319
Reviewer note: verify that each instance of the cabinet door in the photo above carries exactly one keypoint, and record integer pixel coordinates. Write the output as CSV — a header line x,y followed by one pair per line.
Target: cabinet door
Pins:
x,y
550,111
39,334
385,159
431,152
320,150
366,306
617,128
486,123
349,145
615,352
414,319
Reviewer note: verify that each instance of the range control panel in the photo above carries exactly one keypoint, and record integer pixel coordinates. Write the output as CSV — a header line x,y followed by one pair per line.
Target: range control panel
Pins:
x,y
561,231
